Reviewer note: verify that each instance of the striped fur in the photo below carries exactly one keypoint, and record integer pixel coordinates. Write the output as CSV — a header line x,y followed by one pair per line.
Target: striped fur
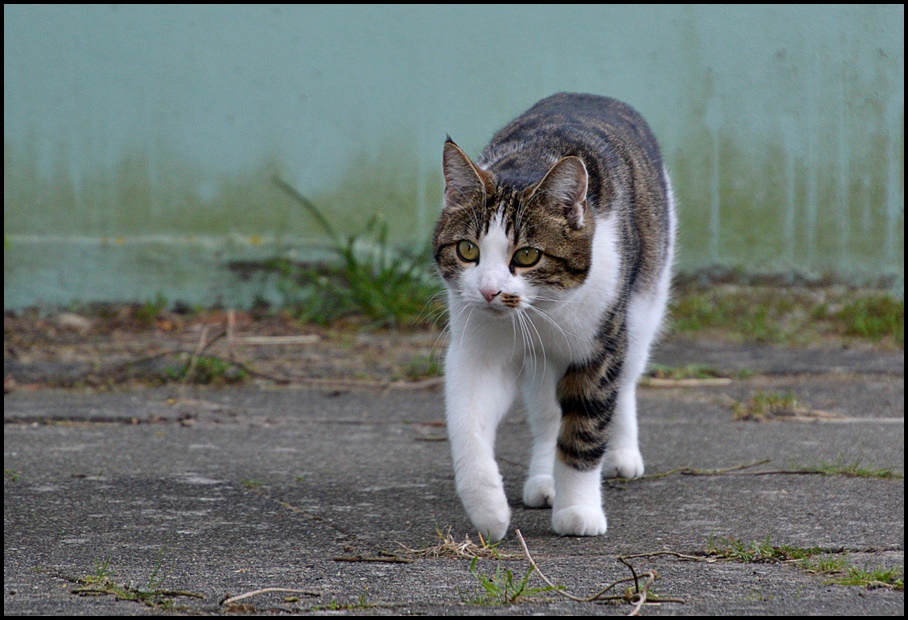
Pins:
x,y
580,180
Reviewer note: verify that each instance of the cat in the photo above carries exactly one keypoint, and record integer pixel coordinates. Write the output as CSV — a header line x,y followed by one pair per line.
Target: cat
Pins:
x,y
555,248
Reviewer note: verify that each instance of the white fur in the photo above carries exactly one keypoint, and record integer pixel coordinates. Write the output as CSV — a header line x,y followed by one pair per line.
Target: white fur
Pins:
x,y
495,351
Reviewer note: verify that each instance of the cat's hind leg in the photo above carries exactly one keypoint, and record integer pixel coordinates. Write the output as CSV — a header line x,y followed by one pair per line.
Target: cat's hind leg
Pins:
x,y
544,416
577,510
623,458
644,319
645,316
578,504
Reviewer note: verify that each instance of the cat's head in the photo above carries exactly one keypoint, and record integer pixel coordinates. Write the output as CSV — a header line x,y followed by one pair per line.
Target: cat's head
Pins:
x,y
503,248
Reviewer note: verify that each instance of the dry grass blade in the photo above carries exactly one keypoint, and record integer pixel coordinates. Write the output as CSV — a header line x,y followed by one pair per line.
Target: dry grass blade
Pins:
x,y
451,548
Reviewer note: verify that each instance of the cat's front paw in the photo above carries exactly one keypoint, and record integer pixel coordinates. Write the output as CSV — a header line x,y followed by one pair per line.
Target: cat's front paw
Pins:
x,y
539,492
492,521
623,463
579,521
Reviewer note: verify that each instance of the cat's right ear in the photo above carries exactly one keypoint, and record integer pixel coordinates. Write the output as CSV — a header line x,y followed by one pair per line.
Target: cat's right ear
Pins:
x,y
465,184
565,186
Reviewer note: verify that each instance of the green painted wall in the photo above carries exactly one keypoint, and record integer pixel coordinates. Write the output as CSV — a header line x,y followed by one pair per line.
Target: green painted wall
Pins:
x,y
139,141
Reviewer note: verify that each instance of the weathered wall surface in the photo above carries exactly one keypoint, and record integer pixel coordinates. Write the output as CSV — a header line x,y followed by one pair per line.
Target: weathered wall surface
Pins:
x,y
139,141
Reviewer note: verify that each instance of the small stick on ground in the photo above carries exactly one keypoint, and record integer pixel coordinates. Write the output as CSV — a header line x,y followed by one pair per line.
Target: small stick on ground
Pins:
x,y
387,559
638,598
240,597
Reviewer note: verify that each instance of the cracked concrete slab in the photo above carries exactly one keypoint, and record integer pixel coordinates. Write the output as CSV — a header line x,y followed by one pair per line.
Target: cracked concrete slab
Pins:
x,y
237,489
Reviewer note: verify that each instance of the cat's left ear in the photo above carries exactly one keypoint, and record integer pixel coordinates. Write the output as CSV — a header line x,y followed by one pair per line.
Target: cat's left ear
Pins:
x,y
565,185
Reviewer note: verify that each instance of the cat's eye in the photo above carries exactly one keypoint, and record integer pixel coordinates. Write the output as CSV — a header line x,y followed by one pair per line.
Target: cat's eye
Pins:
x,y
467,251
526,257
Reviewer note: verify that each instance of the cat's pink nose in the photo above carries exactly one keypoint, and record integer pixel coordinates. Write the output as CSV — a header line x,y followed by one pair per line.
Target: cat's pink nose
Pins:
x,y
489,294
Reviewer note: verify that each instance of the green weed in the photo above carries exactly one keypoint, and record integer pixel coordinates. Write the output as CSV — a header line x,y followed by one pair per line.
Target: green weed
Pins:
x,y
873,318
500,588
763,406
825,565
100,583
854,469
691,371
757,550
832,562
872,578
420,367
207,370
694,371
735,312
149,312
787,315
334,605
368,277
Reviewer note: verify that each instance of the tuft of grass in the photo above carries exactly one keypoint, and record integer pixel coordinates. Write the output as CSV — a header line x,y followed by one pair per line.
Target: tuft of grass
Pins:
x,y
360,605
368,277
762,406
787,315
758,550
691,371
101,583
831,562
824,565
420,367
500,588
893,578
149,312
853,469
874,318
694,371
754,316
207,370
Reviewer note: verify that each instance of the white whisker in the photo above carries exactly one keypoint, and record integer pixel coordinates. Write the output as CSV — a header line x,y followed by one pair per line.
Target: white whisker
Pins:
x,y
541,346
564,333
528,348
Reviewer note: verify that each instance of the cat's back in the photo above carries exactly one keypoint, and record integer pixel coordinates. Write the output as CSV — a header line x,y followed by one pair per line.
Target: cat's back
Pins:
x,y
589,126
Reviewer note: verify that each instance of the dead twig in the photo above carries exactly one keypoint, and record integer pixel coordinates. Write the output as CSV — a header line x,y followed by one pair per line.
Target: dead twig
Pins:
x,y
387,559
690,471
240,597
674,554
276,340
638,598
655,382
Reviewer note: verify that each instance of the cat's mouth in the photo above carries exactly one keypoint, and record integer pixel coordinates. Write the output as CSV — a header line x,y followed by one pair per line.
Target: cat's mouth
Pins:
x,y
495,310
501,305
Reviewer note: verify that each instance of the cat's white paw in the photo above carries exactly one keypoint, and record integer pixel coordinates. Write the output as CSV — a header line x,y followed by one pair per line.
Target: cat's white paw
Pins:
x,y
539,492
492,521
623,463
488,509
579,521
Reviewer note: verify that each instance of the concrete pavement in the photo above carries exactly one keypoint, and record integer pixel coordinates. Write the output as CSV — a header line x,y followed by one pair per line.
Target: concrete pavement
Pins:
x,y
239,489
